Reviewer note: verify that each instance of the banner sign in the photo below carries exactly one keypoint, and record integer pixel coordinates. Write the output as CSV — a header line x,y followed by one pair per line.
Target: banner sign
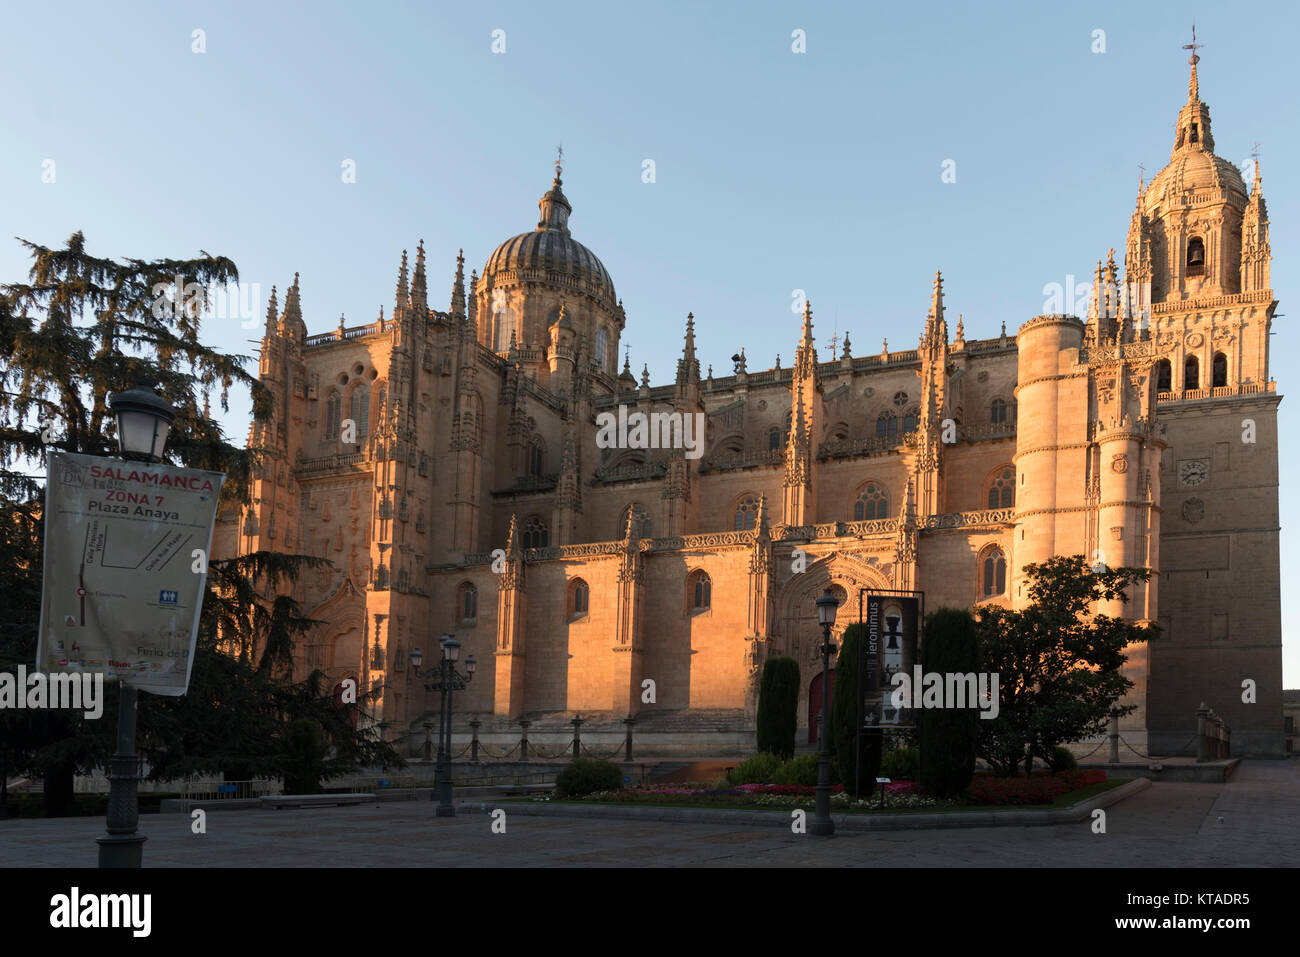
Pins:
x,y
892,640
126,564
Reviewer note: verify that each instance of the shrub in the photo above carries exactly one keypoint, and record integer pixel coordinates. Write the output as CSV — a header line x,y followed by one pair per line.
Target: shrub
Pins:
x,y
845,718
303,750
582,776
949,736
800,770
778,706
760,769
1063,760
899,764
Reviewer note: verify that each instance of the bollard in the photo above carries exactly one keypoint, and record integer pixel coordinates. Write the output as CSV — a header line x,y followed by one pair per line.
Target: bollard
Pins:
x,y
473,744
627,741
1202,734
577,734
523,742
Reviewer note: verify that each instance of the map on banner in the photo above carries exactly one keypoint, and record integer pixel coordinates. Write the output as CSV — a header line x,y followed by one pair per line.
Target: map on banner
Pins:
x,y
126,553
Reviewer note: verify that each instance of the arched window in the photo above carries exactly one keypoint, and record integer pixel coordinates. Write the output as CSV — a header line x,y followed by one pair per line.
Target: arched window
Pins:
x,y
1002,412
871,504
602,349
504,320
887,426
536,534
579,598
1192,373
773,439
536,456
1002,488
746,515
333,405
640,522
1164,376
993,573
911,420
699,592
467,602
359,411
1195,258
1219,371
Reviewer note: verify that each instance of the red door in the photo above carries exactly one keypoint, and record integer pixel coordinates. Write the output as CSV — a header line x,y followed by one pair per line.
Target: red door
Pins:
x,y
815,704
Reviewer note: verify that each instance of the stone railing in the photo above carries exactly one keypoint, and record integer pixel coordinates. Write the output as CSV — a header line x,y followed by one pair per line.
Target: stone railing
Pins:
x,y
983,518
339,335
631,473
844,448
1218,392
327,463
747,460
987,430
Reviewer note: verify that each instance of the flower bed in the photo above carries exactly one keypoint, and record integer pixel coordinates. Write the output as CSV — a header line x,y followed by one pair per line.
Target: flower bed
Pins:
x,y
1042,788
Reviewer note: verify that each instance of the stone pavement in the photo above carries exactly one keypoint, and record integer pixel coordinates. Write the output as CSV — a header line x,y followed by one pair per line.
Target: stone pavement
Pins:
x,y
1167,825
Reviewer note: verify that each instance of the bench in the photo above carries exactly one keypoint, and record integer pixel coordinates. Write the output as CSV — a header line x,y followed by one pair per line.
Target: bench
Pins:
x,y
278,801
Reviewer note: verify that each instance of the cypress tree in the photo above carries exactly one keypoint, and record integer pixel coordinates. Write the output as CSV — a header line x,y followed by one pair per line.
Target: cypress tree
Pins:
x,y
846,717
949,735
778,705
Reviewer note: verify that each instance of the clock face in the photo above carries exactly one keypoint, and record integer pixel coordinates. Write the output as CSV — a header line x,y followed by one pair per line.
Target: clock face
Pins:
x,y
1193,472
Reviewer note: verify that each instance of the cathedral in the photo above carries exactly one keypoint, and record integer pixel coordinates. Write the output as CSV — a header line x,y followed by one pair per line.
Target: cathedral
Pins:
x,y
448,464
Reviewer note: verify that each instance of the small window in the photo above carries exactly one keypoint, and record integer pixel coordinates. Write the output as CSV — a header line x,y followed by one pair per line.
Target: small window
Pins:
x,y
1002,412
1220,371
1195,255
1164,376
887,426
911,420
871,504
468,602
360,411
994,573
579,597
700,592
746,516
773,440
602,347
333,406
536,535
536,457
1002,488
1192,373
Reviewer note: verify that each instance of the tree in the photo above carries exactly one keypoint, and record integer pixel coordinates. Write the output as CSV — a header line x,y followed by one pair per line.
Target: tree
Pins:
x,y
846,717
949,735
1058,661
79,329
778,707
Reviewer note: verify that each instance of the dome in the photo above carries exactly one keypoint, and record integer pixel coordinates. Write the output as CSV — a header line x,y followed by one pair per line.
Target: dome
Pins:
x,y
549,248
1194,169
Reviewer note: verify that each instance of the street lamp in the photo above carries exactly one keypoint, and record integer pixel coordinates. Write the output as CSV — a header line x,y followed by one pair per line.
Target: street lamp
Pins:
x,y
822,824
445,680
143,418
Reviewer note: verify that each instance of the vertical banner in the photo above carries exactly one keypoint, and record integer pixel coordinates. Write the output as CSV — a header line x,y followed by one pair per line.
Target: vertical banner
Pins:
x,y
892,643
126,561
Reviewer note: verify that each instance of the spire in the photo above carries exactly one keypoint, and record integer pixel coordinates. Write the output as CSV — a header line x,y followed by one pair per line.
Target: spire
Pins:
x,y
292,323
936,327
272,308
403,292
512,538
807,337
1193,85
473,300
419,283
458,287
688,367
848,354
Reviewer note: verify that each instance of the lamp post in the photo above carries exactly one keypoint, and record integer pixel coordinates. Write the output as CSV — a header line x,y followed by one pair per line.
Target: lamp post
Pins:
x,y
445,680
143,419
1114,729
822,824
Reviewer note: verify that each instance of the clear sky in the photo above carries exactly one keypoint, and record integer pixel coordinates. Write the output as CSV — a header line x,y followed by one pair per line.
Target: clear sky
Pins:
x,y
774,171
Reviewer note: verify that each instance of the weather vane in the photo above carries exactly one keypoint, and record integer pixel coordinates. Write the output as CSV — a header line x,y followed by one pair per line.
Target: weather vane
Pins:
x,y
559,158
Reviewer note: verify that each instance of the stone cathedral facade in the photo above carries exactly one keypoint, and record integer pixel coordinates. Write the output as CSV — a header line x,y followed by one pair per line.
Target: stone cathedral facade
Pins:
x,y
446,462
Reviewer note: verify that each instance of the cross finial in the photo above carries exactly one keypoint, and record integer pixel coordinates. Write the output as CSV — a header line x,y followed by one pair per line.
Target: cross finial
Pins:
x,y
559,159
1193,89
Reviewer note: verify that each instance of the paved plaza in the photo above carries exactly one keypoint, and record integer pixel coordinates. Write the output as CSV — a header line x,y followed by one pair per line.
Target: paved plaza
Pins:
x,y
1166,825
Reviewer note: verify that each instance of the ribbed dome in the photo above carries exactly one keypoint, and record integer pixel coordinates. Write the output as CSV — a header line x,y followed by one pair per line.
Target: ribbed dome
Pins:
x,y
551,248
1194,169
